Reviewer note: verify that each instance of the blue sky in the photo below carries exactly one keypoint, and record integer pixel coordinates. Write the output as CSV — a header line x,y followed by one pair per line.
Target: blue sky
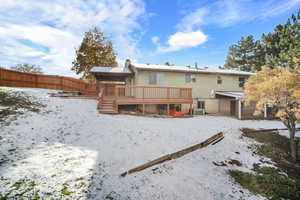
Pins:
x,y
182,32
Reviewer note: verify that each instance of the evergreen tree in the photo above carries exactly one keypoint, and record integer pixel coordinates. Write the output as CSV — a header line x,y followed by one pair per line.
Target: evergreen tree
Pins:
x,y
242,55
282,45
277,48
95,50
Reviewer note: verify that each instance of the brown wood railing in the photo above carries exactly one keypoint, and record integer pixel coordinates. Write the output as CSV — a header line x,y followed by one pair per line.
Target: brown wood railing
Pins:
x,y
153,92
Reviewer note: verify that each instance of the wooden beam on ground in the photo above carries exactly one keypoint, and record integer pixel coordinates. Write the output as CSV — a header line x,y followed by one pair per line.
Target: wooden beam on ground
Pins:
x,y
273,129
175,155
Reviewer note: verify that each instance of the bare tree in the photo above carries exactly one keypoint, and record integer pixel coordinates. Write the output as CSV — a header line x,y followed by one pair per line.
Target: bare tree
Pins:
x,y
28,68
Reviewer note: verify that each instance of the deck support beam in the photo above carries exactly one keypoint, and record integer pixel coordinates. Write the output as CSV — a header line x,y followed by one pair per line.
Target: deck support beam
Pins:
x,y
191,111
143,109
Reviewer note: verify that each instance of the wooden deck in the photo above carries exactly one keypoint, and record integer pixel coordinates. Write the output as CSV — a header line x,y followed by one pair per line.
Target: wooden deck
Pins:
x,y
143,95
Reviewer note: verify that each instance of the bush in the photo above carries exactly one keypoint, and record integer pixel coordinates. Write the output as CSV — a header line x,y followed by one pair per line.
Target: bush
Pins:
x,y
268,182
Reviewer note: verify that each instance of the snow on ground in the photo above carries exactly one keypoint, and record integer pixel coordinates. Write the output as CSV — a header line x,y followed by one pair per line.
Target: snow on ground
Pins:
x,y
3,107
69,146
286,133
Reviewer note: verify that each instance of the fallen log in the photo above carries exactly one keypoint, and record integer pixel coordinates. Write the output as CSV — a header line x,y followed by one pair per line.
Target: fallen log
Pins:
x,y
273,129
175,155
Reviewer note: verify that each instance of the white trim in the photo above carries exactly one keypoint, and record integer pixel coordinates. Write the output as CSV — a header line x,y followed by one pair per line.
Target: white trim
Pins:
x,y
99,69
239,109
236,95
189,69
265,111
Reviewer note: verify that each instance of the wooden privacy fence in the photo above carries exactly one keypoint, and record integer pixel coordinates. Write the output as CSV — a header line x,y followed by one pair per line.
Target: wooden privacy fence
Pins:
x,y
12,78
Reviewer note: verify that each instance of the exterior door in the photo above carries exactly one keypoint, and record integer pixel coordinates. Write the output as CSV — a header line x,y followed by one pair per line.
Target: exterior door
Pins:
x,y
232,108
108,89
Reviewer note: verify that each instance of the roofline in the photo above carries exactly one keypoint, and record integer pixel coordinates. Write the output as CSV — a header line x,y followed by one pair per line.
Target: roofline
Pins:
x,y
129,73
186,71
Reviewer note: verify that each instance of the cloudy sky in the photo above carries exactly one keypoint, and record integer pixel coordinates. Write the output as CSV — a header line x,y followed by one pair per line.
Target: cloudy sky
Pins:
x,y
46,32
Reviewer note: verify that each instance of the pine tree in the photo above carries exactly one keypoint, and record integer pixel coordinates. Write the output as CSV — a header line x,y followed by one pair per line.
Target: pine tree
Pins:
x,y
95,50
282,45
278,87
244,55
277,48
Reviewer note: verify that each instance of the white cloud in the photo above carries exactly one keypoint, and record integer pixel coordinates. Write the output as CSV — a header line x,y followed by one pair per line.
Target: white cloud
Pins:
x,y
192,20
223,13
182,40
270,10
155,39
230,12
53,29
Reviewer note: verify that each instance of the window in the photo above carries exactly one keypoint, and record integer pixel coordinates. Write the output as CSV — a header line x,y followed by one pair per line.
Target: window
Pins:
x,y
242,81
201,104
219,80
189,78
156,78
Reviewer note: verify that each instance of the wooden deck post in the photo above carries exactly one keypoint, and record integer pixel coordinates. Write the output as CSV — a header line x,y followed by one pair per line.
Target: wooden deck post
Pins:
x,y
191,111
143,109
97,87
168,109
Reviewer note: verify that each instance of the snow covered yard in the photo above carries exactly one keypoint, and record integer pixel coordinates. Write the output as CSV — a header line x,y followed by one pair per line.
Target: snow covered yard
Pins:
x,y
69,150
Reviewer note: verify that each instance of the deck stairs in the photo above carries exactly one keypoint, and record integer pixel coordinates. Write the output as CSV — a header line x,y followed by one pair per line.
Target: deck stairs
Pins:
x,y
107,106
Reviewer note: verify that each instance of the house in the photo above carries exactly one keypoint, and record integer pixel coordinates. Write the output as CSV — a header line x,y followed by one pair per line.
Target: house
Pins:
x,y
190,89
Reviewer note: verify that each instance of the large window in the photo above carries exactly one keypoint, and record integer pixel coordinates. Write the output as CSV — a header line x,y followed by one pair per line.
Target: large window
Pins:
x,y
242,81
190,78
156,78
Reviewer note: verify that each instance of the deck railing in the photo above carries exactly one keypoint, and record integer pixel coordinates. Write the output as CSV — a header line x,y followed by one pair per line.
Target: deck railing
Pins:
x,y
153,92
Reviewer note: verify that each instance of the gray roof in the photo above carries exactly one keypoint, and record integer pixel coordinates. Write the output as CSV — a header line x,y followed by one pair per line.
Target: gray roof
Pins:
x,y
99,69
189,69
235,94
